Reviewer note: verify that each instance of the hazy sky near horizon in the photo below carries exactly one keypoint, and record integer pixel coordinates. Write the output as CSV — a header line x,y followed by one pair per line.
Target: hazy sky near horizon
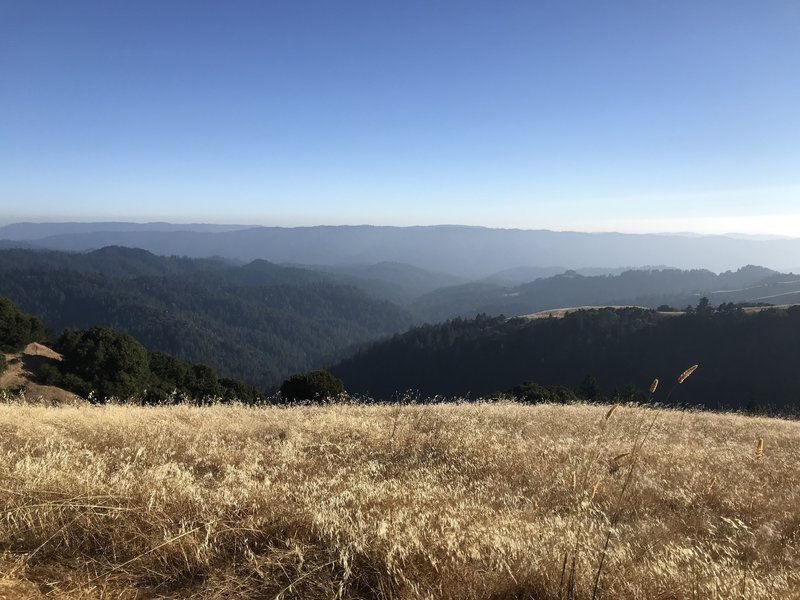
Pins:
x,y
620,115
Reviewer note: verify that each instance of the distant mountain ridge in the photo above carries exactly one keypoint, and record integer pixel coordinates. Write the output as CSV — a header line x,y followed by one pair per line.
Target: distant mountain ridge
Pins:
x,y
469,252
36,231
641,287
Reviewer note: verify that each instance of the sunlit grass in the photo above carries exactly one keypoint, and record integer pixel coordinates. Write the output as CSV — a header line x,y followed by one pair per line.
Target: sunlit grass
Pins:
x,y
468,501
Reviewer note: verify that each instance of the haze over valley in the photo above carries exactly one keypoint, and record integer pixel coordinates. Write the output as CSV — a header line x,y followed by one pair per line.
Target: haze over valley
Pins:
x,y
260,322
467,252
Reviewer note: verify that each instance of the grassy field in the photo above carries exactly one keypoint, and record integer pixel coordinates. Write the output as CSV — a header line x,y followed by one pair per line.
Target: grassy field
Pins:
x,y
480,501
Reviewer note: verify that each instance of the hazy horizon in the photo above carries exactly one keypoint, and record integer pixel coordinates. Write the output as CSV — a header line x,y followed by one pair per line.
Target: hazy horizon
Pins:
x,y
244,225
643,118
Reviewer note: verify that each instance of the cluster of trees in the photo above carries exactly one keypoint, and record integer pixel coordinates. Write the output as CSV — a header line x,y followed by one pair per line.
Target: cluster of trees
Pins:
x,y
533,393
100,363
17,330
746,360
315,385
258,322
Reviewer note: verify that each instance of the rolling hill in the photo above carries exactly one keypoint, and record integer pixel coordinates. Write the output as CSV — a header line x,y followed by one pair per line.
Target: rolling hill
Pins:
x,y
640,287
746,359
257,322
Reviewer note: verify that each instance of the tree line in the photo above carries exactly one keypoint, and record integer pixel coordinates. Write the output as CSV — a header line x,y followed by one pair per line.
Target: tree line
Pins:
x,y
746,360
17,330
100,363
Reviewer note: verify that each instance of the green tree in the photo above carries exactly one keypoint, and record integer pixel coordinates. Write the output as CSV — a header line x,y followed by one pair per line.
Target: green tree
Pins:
x,y
104,361
315,385
233,389
204,384
18,329
531,392
589,388
704,306
169,377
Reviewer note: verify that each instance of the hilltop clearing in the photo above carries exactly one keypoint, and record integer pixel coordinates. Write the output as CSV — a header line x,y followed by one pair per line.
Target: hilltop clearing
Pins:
x,y
559,313
476,502
562,312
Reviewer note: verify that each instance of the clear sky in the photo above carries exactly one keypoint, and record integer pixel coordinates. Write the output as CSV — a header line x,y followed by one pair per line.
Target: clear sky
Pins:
x,y
643,115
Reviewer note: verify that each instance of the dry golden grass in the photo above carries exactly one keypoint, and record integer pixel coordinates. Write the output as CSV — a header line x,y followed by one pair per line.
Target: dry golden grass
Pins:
x,y
484,501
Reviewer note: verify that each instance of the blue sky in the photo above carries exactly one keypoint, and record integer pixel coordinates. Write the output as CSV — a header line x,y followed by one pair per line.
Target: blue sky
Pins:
x,y
632,116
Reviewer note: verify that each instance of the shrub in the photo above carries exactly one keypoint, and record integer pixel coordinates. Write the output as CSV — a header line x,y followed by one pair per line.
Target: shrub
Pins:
x,y
234,389
203,384
110,363
3,364
534,393
48,374
314,385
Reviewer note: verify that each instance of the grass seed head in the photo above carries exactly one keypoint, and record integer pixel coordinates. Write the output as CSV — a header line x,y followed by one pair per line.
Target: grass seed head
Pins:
x,y
611,411
685,375
760,448
595,488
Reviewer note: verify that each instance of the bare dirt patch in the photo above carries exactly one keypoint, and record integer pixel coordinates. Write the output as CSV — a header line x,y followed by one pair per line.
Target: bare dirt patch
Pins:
x,y
20,377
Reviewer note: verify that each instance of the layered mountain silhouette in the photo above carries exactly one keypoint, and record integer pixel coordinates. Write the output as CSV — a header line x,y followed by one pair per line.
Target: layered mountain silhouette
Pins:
x,y
467,252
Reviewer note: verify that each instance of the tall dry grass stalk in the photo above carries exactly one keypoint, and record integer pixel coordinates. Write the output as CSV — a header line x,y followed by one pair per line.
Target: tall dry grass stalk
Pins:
x,y
638,443
467,502
685,375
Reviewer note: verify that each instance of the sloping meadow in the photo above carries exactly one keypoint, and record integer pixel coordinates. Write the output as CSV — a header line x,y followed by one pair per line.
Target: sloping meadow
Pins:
x,y
465,501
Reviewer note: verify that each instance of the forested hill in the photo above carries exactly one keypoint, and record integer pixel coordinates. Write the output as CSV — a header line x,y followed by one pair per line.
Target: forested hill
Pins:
x,y
258,322
746,360
100,363
128,263
643,287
